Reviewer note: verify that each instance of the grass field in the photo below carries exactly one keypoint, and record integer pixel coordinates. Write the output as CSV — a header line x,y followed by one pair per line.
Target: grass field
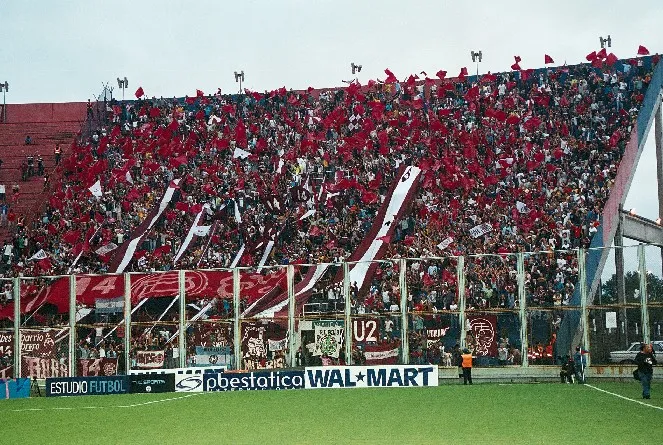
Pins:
x,y
479,414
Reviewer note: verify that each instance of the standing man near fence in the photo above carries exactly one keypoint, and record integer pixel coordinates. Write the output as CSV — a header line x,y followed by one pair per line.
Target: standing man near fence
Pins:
x,y
466,358
645,361
580,364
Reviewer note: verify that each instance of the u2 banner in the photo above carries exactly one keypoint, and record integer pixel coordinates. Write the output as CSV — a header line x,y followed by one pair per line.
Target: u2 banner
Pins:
x,y
148,383
371,376
253,381
86,386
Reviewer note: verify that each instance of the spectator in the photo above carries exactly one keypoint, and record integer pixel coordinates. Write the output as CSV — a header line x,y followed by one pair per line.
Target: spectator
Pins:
x,y
645,359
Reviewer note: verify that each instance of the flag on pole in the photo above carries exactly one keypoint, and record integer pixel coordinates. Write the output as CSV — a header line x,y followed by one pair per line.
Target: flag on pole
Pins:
x,y
642,51
548,59
40,255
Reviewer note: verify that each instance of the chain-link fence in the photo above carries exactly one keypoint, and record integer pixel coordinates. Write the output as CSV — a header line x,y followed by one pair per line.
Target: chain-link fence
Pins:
x,y
100,327
526,309
44,327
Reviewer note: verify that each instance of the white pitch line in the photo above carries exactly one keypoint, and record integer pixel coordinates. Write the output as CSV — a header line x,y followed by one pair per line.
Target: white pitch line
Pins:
x,y
624,397
135,405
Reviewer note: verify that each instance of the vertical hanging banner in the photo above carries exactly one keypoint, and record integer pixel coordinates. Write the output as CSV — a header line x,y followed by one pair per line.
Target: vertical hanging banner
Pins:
x,y
256,339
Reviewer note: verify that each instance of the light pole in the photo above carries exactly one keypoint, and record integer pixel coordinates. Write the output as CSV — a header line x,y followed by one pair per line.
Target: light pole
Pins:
x,y
122,83
239,77
476,58
4,87
607,40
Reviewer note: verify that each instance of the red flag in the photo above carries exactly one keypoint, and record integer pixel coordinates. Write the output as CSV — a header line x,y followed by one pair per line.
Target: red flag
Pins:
x,y
139,92
385,239
390,77
591,56
45,264
548,59
463,72
515,67
642,51
441,74
517,59
611,59
199,93
602,54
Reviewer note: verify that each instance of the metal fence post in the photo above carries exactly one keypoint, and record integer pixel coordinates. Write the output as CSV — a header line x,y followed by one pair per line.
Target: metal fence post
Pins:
x,y
642,267
522,308
584,313
290,277
17,325
460,276
347,311
402,282
181,291
72,326
127,323
237,346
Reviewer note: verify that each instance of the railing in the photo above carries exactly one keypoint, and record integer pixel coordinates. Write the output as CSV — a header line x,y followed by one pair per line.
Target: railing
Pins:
x,y
508,309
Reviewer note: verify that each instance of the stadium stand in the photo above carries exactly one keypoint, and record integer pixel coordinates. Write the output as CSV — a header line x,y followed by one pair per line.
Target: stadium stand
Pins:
x,y
520,161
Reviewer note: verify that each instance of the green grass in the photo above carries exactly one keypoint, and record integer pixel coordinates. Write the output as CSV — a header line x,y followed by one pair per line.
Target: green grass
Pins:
x,y
479,414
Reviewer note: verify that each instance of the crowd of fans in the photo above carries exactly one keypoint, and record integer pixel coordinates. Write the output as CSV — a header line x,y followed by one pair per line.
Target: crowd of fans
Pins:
x,y
531,153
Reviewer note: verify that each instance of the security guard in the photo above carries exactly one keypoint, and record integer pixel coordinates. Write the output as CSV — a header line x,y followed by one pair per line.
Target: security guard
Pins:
x,y
466,363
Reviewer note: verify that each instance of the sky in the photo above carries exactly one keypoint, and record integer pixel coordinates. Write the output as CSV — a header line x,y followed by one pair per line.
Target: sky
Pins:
x,y
60,51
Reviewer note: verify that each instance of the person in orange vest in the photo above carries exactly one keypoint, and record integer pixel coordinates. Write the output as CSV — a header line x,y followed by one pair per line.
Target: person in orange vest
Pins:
x,y
466,363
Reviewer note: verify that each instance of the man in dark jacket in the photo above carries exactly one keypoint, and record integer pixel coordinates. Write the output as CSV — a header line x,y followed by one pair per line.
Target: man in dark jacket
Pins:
x,y
645,361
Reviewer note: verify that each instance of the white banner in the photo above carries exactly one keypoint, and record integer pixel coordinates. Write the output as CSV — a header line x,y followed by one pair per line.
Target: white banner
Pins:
x,y
202,230
381,355
328,340
277,345
103,250
386,376
481,229
445,243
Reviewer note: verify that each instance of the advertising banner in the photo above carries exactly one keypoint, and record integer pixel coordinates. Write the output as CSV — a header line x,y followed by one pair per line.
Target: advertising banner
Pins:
x,y
371,376
86,386
148,383
191,379
253,381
